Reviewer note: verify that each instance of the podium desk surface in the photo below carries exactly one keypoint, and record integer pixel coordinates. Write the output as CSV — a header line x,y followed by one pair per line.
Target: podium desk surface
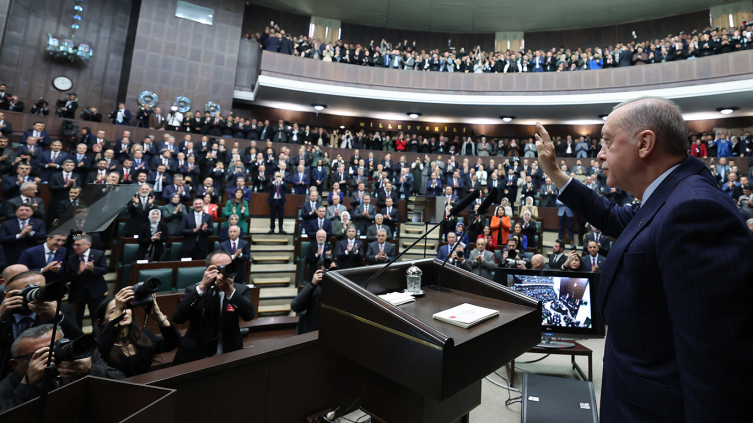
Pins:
x,y
434,302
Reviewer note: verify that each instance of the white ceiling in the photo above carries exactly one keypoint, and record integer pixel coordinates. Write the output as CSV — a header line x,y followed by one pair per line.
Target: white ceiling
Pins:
x,y
694,108
491,15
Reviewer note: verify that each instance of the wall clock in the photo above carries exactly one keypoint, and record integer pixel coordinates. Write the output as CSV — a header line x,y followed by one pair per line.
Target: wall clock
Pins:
x,y
62,83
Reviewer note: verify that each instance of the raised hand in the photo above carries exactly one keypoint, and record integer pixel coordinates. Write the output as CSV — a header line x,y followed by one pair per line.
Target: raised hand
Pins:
x,y
547,157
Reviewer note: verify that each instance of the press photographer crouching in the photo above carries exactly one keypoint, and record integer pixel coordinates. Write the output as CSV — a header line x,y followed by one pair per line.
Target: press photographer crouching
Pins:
x,y
213,307
18,313
122,343
309,300
73,360
512,255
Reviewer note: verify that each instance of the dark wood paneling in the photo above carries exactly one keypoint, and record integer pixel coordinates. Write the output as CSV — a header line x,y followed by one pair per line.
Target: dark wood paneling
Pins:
x,y
605,36
256,17
425,40
179,57
28,69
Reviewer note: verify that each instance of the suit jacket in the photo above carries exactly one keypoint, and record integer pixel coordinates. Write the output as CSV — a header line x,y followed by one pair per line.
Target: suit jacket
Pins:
x,y
219,319
241,260
483,269
271,188
193,239
58,188
371,233
46,158
588,265
382,198
657,342
151,178
11,205
557,264
347,260
138,216
153,124
604,240
312,227
333,216
92,281
373,250
44,141
361,221
35,259
306,210
312,259
170,190
14,247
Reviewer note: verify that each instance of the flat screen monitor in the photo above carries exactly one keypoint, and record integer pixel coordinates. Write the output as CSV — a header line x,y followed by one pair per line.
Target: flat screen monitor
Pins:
x,y
568,301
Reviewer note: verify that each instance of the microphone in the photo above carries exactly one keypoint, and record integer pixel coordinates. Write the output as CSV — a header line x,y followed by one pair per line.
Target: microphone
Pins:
x,y
465,202
484,207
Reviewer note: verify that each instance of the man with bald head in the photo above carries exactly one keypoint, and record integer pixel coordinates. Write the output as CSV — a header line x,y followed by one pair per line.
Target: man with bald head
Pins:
x,y
662,360
8,274
538,262
16,318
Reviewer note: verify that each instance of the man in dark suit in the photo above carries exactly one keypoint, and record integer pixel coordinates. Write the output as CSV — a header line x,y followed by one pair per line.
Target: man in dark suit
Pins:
x,y
213,308
46,258
391,215
86,270
558,256
37,131
373,230
61,182
177,187
239,250
300,180
318,247
196,227
320,222
68,109
593,261
21,233
351,251
657,343
386,193
7,156
57,210
310,207
548,193
364,214
286,45
15,319
433,186
138,210
51,160
29,197
602,241
6,128
276,201
380,251
82,163
99,175
281,133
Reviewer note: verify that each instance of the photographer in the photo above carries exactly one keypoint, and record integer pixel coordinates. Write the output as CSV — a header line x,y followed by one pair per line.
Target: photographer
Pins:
x,y
40,108
15,317
91,115
121,342
66,108
511,255
213,307
120,116
458,259
309,301
174,119
30,351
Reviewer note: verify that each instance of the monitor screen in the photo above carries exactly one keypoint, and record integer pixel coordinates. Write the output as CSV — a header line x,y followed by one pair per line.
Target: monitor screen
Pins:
x,y
567,299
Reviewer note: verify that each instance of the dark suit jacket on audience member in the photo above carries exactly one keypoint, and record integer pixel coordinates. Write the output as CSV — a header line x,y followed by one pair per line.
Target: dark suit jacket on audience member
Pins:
x,y
145,240
241,260
14,247
350,260
193,345
190,240
656,343
89,280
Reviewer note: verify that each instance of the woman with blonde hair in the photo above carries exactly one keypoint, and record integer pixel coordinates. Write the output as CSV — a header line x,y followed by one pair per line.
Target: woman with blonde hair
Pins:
x,y
529,207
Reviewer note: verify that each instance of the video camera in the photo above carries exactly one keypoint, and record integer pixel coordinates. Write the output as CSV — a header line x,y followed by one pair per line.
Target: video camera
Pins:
x,y
40,108
70,350
142,293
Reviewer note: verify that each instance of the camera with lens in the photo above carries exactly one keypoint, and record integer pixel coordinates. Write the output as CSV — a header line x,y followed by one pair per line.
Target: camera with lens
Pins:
x,y
512,259
142,293
228,270
35,293
40,108
326,260
70,350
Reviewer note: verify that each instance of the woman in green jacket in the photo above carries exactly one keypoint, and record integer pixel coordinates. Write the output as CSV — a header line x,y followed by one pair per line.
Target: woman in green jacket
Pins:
x,y
237,205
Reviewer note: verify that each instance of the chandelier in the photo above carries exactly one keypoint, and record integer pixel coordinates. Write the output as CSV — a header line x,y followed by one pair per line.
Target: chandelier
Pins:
x,y
65,48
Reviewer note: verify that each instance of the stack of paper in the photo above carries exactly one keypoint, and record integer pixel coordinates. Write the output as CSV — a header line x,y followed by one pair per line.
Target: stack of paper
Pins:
x,y
398,298
465,315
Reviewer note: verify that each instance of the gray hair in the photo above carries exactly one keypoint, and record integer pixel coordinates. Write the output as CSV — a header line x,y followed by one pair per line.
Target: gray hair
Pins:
x,y
749,221
86,238
662,117
32,332
27,185
381,230
379,215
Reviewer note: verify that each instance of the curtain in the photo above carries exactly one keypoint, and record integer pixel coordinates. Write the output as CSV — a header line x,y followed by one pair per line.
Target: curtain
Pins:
x,y
502,39
740,11
328,30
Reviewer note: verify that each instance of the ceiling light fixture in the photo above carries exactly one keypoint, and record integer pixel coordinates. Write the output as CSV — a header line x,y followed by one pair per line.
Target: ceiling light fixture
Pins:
x,y
342,126
413,115
727,110
319,107
507,118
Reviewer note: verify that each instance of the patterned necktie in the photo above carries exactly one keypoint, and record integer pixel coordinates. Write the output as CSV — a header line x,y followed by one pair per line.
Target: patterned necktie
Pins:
x,y
235,247
50,255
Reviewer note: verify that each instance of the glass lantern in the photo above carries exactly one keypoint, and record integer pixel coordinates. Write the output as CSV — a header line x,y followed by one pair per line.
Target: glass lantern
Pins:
x,y
413,278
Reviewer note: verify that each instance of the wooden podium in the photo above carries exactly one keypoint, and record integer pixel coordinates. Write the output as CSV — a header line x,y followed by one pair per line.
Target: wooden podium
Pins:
x,y
414,368
94,399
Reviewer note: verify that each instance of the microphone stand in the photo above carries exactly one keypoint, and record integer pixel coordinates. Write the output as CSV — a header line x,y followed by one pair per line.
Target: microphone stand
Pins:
x,y
401,254
50,369
438,286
